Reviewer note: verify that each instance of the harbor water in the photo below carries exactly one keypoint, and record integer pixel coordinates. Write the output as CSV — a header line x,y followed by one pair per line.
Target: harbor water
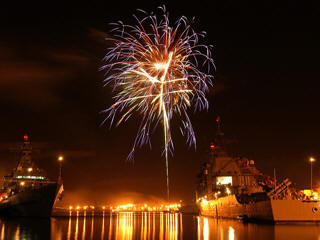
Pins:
x,y
148,225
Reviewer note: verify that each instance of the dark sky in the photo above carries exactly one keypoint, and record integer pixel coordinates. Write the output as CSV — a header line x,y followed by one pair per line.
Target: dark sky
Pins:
x,y
265,90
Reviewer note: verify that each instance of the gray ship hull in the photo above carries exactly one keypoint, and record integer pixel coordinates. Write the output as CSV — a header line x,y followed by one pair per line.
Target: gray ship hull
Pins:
x,y
31,202
274,210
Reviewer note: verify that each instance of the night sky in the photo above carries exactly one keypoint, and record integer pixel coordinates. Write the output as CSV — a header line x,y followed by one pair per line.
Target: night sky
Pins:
x,y
265,90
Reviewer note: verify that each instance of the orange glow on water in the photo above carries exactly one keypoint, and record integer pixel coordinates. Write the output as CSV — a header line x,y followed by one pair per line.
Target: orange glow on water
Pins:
x,y
231,233
102,231
77,229
205,229
84,228
118,226
69,229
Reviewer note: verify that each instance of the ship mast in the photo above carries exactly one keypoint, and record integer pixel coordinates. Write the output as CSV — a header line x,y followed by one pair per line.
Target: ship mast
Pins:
x,y
218,145
26,150
216,150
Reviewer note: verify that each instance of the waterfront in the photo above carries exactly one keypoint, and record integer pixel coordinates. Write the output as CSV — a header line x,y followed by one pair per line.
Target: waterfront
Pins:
x,y
150,226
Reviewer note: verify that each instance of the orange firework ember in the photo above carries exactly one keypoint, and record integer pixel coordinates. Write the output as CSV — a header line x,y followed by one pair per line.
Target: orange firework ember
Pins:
x,y
158,71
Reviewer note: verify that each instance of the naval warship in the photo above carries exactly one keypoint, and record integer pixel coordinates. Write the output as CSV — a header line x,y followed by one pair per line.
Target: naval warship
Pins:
x,y
232,187
27,191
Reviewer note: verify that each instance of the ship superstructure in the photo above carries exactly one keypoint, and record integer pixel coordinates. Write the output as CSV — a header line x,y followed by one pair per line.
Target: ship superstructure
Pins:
x,y
27,191
232,187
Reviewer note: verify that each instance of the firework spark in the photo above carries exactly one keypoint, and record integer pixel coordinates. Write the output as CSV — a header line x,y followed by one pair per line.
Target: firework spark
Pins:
x,y
158,71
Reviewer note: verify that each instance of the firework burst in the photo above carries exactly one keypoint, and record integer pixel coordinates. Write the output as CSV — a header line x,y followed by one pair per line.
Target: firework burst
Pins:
x,y
158,71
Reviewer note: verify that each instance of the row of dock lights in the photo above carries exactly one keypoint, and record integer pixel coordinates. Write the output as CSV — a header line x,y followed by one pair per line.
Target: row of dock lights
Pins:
x,y
131,208
84,208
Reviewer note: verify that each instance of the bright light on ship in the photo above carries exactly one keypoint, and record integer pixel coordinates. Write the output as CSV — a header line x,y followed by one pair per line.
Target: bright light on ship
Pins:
x,y
30,169
204,201
224,180
315,195
30,177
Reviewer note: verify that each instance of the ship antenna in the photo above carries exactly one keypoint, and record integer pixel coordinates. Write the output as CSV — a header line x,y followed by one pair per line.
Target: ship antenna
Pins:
x,y
219,130
219,146
26,151
218,138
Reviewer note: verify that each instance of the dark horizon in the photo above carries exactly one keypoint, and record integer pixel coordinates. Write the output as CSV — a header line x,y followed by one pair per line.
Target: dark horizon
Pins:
x,y
265,91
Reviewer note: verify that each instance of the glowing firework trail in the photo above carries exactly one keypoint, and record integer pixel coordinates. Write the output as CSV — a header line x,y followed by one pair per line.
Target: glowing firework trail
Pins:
x,y
158,71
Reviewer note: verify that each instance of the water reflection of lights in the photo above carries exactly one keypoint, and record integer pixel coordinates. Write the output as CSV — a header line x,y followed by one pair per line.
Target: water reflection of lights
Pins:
x,y
199,228
124,227
84,229
110,228
92,227
143,234
2,231
119,226
69,229
130,225
153,226
77,229
172,227
181,226
212,228
102,231
205,229
17,234
161,226
231,233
